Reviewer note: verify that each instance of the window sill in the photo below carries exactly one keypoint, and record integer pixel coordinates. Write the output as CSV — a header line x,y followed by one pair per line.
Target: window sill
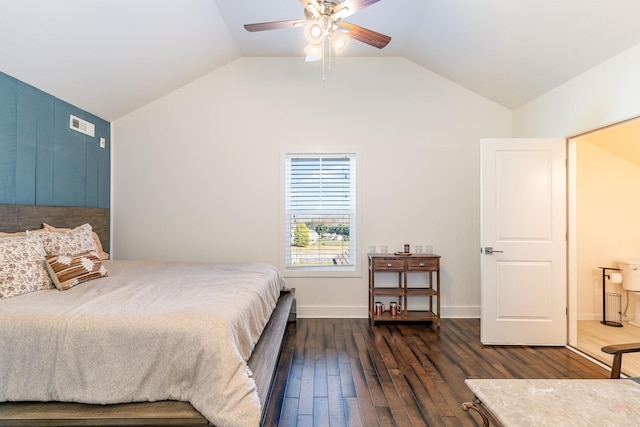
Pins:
x,y
326,272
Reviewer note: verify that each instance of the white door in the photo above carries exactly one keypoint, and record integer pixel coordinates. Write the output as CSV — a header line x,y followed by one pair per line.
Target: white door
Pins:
x,y
523,220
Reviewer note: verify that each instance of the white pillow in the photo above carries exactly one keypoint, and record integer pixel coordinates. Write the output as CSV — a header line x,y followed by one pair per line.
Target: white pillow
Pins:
x,y
72,242
101,253
22,267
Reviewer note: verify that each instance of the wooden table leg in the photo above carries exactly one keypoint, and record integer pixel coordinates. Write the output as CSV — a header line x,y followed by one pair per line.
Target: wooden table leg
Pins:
x,y
472,405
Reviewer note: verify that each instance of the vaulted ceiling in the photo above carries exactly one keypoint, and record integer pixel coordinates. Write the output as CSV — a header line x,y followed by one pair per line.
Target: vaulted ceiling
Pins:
x,y
111,57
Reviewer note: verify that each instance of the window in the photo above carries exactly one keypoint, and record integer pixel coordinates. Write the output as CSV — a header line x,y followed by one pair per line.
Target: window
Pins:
x,y
320,212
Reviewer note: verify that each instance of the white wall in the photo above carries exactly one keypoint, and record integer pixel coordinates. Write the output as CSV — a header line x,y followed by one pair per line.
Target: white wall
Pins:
x,y
607,223
196,173
606,94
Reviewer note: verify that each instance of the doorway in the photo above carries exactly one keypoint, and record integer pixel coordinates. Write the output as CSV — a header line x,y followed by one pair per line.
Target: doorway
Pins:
x,y
604,227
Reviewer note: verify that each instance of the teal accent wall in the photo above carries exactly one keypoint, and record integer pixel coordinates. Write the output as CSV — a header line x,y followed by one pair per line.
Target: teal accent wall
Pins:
x,y
42,160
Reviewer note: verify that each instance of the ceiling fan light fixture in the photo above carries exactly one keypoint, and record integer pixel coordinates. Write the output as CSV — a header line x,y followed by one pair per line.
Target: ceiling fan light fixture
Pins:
x,y
314,51
339,40
323,19
314,32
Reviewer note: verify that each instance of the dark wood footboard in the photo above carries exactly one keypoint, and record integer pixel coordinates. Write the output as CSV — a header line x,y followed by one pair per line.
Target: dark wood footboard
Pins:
x,y
263,363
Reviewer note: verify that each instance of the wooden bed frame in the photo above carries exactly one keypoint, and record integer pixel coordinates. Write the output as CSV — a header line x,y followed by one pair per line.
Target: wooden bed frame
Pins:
x,y
263,362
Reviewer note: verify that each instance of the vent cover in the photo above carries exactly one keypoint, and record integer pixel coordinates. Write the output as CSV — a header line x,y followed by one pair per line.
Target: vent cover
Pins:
x,y
82,126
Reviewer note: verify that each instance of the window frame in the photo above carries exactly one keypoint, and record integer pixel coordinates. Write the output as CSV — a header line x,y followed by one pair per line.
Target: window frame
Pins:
x,y
354,270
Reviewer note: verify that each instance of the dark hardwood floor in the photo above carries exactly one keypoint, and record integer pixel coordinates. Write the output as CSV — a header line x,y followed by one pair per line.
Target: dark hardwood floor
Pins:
x,y
341,372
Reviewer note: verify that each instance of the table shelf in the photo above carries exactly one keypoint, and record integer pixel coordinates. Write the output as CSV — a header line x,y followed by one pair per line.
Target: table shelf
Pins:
x,y
421,292
404,266
407,316
389,291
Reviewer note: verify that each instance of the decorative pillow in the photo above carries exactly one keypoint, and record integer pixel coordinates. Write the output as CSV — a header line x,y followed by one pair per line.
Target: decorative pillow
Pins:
x,y
22,266
66,271
71,242
101,253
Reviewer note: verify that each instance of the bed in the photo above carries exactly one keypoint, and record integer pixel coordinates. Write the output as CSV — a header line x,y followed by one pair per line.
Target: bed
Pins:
x,y
147,342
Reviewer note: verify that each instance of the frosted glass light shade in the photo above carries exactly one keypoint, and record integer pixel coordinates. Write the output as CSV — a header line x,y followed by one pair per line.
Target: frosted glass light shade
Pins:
x,y
339,40
313,32
313,51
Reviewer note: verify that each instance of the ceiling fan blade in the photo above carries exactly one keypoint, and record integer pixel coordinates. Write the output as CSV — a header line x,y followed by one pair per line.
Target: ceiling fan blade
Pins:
x,y
365,35
274,25
349,7
312,6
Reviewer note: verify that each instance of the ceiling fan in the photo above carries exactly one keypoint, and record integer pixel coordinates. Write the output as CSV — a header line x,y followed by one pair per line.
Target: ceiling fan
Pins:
x,y
324,20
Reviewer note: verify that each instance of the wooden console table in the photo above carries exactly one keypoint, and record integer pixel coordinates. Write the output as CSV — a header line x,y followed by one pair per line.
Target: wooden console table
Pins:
x,y
556,402
402,265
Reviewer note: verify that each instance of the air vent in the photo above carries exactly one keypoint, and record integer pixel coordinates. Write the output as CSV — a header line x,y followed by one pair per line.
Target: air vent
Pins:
x,y
82,126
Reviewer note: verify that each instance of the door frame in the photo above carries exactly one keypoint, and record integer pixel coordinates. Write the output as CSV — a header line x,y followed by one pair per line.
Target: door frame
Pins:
x,y
572,242
572,238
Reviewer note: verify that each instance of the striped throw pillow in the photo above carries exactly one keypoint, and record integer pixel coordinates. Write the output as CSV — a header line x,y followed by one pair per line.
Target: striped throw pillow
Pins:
x,y
66,271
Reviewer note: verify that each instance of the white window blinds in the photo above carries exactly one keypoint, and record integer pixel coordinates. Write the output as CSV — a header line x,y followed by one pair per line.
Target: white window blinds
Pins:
x,y
320,210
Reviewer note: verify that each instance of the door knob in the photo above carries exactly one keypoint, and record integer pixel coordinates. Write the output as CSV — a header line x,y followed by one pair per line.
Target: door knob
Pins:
x,y
489,250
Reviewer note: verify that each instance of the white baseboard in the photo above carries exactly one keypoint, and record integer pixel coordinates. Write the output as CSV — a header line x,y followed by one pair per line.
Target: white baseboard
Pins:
x,y
461,311
340,312
598,316
587,316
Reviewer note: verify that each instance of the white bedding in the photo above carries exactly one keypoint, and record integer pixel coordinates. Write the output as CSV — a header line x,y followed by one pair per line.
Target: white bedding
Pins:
x,y
147,332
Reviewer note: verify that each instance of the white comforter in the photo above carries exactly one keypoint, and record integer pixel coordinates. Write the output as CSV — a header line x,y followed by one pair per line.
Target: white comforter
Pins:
x,y
147,332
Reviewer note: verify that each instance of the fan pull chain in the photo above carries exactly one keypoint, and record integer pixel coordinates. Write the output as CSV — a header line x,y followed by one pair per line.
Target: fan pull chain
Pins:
x,y
330,55
323,49
329,67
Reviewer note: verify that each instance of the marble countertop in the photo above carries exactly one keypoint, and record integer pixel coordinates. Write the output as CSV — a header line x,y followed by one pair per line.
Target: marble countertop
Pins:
x,y
565,402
